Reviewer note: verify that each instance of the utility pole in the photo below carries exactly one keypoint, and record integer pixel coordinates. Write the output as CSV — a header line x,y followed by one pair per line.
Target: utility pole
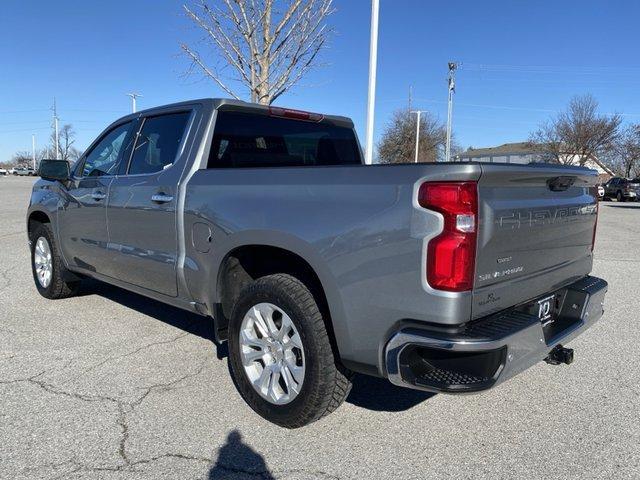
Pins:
x,y
373,63
418,113
452,88
55,127
33,149
133,100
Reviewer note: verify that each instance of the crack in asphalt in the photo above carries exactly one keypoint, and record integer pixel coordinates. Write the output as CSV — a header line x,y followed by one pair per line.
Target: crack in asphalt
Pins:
x,y
13,234
126,408
124,355
7,330
123,409
219,467
5,278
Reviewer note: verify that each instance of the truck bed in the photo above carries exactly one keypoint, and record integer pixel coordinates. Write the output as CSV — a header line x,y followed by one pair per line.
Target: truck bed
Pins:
x,y
361,229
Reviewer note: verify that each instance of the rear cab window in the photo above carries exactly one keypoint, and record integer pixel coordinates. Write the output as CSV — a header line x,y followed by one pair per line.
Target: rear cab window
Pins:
x,y
246,140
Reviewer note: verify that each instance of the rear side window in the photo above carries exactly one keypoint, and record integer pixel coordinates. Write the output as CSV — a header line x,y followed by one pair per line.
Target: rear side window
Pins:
x,y
244,140
157,143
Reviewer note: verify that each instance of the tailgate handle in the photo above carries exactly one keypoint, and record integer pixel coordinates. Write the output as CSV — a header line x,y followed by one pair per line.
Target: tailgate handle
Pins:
x,y
560,184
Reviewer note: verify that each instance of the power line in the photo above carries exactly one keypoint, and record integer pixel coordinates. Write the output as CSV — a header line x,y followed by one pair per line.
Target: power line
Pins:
x,y
583,69
25,123
24,130
25,111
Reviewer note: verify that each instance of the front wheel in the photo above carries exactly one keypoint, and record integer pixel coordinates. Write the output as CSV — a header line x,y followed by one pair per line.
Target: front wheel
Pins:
x,y
280,354
47,265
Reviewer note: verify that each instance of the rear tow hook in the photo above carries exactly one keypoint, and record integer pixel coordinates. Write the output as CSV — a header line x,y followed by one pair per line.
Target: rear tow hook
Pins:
x,y
559,355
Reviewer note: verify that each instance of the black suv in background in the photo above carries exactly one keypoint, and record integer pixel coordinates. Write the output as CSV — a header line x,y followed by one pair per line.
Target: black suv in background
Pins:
x,y
622,189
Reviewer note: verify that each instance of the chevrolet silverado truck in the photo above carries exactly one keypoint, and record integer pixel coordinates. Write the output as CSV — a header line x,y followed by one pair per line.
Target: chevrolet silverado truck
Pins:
x,y
443,277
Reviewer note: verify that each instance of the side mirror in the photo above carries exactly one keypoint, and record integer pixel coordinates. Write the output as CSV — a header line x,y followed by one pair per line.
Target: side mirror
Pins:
x,y
54,170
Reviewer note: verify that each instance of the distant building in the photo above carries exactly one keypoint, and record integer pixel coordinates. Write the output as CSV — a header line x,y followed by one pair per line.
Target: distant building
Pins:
x,y
524,153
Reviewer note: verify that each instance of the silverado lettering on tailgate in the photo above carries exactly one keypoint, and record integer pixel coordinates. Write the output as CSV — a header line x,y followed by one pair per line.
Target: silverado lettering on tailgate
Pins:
x,y
548,216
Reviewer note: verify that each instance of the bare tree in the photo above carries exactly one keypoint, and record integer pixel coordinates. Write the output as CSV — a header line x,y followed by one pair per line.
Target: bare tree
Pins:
x,y
624,157
25,157
268,45
66,141
398,141
22,158
578,134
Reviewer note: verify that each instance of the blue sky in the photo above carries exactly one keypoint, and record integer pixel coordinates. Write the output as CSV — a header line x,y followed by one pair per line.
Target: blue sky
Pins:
x,y
521,62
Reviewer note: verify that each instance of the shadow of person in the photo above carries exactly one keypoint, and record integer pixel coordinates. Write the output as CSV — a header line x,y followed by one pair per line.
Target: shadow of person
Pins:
x,y
237,460
176,317
380,395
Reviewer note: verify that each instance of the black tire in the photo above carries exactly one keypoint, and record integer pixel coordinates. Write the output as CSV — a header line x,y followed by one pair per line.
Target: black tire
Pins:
x,y
325,384
59,286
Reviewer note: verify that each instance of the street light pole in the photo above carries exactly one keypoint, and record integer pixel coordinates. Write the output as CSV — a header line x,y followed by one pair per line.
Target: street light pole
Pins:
x,y
452,88
55,127
133,100
33,149
418,112
373,61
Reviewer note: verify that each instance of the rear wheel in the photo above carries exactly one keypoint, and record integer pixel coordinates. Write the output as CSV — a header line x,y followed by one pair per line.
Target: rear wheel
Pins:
x,y
49,272
280,354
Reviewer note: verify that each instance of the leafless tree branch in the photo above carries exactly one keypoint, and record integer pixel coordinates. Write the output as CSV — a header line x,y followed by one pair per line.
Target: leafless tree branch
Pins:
x,y
579,134
398,141
270,45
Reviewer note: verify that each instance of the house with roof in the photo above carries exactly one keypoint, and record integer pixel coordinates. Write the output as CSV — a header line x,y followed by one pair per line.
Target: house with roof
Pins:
x,y
525,153
521,152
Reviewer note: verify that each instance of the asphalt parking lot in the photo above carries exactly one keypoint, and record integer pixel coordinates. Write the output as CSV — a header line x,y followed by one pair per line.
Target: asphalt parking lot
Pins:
x,y
112,385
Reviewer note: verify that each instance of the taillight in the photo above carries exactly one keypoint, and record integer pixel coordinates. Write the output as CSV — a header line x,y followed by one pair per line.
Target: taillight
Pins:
x,y
451,255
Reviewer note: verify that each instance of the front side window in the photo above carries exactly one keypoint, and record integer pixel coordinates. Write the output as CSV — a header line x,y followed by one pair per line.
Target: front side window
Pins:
x,y
157,143
103,158
253,140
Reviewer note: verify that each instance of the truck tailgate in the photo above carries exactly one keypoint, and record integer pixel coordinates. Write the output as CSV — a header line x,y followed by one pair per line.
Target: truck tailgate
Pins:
x,y
536,227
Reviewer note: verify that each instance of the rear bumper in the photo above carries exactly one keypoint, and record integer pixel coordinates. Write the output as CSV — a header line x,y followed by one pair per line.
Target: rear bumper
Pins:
x,y
490,350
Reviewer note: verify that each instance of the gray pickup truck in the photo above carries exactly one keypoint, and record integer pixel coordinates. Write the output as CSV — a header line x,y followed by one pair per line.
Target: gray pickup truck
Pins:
x,y
444,277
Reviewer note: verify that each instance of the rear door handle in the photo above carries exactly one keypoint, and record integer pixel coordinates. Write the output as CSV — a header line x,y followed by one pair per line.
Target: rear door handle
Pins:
x,y
97,196
161,198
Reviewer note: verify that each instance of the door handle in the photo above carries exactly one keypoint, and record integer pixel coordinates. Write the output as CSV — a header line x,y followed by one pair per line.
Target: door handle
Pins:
x,y
97,196
161,198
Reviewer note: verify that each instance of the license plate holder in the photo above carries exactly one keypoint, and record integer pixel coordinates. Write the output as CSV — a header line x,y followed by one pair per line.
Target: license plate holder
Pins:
x,y
547,309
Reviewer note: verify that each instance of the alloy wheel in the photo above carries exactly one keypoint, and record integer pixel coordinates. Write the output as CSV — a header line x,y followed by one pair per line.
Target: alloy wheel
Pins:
x,y
272,353
42,262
